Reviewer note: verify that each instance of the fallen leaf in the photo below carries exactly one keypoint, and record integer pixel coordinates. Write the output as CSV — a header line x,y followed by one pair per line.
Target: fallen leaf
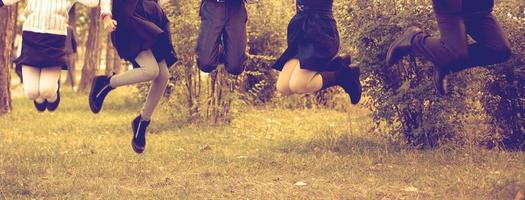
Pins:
x,y
206,148
410,189
300,183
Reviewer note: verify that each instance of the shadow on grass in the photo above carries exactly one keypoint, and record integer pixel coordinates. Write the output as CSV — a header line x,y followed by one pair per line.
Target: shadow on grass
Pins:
x,y
343,144
169,124
506,189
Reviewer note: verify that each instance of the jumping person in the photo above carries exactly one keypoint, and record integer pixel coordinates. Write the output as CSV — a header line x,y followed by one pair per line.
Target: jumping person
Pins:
x,y
43,41
70,49
451,52
310,63
223,24
140,34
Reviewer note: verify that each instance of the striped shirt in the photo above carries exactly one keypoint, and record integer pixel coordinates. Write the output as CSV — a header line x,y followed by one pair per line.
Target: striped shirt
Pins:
x,y
105,7
48,16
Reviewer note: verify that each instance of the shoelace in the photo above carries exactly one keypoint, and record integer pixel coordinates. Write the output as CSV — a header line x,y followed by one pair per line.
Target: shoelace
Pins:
x,y
103,89
138,130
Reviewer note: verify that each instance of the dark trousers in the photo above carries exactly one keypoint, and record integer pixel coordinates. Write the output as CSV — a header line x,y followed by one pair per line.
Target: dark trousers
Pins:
x,y
451,51
222,25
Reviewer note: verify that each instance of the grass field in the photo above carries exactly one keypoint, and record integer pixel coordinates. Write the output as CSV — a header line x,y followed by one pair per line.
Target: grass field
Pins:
x,y
73,154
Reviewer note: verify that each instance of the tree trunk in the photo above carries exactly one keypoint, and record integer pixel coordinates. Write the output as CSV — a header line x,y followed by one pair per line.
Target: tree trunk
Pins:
x,y
117,62
221,95
110,56
92,54
7,33
71,73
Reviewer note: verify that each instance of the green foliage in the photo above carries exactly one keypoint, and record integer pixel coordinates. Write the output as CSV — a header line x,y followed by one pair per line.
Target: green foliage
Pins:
x,y
506,102
258,81
403,96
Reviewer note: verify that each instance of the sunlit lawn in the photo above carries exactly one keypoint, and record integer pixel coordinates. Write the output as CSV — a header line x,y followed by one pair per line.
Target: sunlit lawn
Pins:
x,y
263,154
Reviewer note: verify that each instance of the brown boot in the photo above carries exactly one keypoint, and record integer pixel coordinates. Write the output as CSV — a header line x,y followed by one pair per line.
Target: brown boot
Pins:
x,y
401,46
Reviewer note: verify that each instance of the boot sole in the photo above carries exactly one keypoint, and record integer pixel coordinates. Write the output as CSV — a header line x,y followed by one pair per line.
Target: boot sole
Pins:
x,y
136,148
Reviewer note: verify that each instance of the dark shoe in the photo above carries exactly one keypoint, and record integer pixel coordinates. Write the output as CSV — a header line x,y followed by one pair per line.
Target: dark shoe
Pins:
x,y
40,107
349,78
54,105
139,126
100,88
401,46
440,80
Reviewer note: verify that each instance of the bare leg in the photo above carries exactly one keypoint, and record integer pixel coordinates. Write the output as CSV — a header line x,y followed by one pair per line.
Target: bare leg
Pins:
x,y
32,83
149,70
158,87
49,83
305,81
283,82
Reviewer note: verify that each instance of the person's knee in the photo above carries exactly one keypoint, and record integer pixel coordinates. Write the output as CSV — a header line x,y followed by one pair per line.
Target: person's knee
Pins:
x,y
298,86
206,65
48,92
459,56
151,73
164,76
32,93
504,54
236,69
283,87
236,65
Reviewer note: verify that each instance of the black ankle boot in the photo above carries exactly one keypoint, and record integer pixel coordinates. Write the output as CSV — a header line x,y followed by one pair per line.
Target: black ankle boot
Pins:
x,y
100,88
139,126
349,79
54,105
330,78
40,107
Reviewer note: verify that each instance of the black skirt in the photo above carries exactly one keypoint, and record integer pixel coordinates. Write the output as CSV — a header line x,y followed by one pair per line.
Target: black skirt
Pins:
x,y
142,25
313,38
42,50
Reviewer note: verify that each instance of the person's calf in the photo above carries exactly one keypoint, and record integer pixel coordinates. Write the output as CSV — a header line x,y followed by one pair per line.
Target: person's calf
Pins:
x,y
207,68
206,65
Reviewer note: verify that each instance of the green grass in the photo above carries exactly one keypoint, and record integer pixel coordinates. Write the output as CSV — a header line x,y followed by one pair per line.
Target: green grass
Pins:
x,y
73,154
